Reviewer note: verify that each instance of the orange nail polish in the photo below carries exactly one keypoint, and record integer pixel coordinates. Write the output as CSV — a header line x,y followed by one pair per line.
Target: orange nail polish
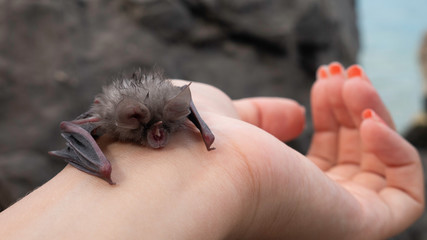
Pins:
x,y
370,114
335,68
322,73
354,71
367,113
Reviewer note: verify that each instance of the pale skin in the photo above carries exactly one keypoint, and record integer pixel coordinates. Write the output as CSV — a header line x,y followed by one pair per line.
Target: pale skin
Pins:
x,y
360,179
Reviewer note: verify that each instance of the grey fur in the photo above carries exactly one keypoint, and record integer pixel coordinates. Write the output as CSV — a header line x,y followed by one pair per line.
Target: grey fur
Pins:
x,y
143,91
144,109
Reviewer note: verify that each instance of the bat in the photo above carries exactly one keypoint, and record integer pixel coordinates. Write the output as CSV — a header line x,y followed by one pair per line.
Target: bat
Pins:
x,y
145,109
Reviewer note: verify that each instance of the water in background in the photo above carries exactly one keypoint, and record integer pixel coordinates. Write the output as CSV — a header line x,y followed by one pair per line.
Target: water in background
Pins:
x,y
391,32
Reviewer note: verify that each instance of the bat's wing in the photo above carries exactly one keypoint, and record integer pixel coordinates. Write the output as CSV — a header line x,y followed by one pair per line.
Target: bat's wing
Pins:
x,y
82,151
207,135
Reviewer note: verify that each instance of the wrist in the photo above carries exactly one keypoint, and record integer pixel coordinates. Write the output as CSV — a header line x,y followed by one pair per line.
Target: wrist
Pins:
x,y
186,192
176,192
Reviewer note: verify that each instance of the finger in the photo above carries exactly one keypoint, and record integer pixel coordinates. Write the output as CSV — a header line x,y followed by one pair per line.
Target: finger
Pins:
x,y
348,95
402,162
334,87
359,94
404,190
283,118
323,149
348,147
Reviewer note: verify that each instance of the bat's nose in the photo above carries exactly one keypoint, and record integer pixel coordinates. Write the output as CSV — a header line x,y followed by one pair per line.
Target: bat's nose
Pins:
x,y
157,135
158,130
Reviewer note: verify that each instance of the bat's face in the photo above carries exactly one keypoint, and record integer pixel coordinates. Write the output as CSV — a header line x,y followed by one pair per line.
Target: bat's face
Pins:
x,y
152,120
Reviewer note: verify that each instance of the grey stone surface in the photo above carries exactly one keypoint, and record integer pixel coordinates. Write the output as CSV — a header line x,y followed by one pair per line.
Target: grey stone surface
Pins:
x,y
55,55
418,231
22,171
417,136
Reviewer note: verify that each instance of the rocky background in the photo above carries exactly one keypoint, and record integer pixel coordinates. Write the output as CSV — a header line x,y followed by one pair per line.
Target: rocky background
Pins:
x,y
417,135
55,55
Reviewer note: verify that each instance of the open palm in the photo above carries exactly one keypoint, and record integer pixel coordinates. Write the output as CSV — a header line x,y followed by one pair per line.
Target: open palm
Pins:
x,y
368,158
372,181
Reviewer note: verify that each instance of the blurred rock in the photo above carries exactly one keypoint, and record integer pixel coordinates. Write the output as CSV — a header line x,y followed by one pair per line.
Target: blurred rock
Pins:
x,y
417,132
23,171
55,55
418,230
417,136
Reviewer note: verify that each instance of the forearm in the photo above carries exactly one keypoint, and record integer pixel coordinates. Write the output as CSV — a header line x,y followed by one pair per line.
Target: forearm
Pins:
x,y
160,195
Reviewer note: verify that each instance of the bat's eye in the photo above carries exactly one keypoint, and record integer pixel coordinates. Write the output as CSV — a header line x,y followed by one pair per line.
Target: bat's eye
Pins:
x,y
131,114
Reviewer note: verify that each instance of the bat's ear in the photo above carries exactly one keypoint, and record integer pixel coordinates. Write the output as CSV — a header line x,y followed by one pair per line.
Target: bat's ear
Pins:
x,y
131,114
179,106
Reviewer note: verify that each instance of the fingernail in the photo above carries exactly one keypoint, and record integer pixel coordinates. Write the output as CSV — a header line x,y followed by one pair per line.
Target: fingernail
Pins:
x,y
322,73
371,114
354,71
335,68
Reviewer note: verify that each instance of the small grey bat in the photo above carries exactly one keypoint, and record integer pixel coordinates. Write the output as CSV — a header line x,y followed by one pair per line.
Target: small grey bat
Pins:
x,y
144,109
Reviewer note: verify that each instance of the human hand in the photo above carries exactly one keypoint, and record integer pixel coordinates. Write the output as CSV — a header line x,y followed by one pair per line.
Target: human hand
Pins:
x,y
361,180
377,180
360,150
380,173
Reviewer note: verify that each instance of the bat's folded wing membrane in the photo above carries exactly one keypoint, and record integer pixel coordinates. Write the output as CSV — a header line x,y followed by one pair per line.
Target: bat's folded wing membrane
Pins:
x,y
83,152
197,120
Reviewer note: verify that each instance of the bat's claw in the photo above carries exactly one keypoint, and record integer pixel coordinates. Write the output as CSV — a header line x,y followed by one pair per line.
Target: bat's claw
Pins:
x,y
109,181
208,138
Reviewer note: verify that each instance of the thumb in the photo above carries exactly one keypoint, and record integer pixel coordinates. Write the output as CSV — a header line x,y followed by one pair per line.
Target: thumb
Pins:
x,y
283,118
